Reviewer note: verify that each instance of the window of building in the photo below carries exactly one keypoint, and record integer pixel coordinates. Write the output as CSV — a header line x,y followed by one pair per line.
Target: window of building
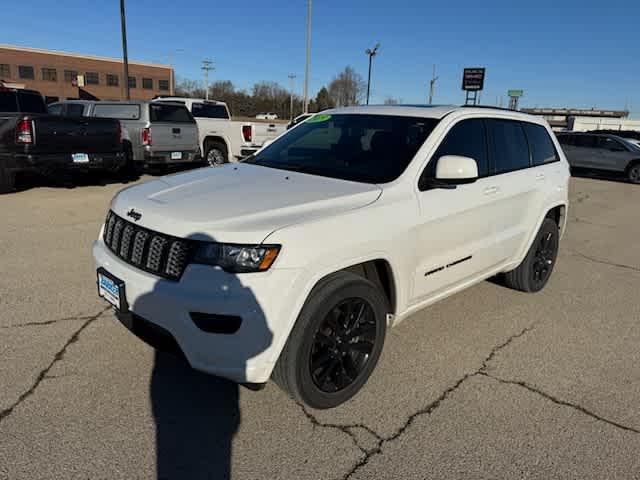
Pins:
x,y
26,71
467,139
510,147
5,70
542,149
163,85
112,80
70,76
92,78
132,82
147,83
49,74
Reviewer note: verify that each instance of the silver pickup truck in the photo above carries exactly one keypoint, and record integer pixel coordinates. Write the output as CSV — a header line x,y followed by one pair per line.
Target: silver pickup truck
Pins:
x,y
157,133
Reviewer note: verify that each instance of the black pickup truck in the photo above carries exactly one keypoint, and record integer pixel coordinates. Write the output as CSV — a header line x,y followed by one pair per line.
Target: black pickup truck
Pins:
x,y
33,140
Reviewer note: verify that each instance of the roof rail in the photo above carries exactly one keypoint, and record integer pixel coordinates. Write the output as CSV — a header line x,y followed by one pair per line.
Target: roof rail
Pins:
x,y
489,107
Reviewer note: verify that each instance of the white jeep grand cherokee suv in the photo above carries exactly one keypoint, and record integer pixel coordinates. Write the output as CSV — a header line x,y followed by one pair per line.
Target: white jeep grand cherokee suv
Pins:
x,y
292,264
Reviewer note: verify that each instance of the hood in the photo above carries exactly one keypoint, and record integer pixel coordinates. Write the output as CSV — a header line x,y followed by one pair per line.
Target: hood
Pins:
x,y
238,203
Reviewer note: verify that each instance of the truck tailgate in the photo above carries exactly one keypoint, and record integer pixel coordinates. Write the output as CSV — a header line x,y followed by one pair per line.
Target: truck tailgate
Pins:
x,y
54,134
174,136
266,131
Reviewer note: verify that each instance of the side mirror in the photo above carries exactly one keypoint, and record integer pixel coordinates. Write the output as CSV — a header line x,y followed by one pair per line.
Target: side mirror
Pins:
x,y
452,170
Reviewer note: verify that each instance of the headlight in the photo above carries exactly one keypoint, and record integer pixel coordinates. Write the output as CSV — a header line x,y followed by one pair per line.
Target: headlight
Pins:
x,y
237,258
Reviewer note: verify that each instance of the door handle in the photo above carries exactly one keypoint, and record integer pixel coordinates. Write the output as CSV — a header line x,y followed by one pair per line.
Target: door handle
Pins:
x,y
176,131
491,190
540,176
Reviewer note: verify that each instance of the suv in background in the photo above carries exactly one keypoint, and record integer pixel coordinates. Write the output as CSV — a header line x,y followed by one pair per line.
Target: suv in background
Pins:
x,y
602,152
292,264
157,133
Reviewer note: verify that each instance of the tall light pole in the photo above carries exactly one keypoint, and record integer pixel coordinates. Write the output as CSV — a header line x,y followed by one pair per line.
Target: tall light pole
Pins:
x,y
371,53
172,80
308,64
291,77
125,56
206,66
432,84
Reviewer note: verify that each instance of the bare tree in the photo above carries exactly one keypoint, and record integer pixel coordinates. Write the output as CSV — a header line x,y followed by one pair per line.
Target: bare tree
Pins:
x,y
347,88
391,101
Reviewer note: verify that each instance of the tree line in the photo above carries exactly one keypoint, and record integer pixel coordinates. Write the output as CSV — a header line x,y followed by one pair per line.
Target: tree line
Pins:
x,y
345,89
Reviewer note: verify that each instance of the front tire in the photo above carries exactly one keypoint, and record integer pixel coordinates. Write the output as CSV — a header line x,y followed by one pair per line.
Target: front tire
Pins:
x,y
216,154
536,268
336,342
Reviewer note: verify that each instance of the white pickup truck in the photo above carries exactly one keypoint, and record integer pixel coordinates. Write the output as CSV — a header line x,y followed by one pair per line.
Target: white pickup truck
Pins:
x,y
222,139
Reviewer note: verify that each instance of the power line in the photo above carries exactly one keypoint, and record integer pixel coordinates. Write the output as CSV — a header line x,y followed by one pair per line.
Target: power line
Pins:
x,y
206,66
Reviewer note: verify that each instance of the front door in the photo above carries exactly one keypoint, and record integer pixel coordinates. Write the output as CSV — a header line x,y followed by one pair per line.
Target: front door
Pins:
x,y
454,241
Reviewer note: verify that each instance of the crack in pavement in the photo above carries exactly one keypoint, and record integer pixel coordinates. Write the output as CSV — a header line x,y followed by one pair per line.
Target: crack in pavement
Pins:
x,y
558,401
605,262
427,410
57,357
46,322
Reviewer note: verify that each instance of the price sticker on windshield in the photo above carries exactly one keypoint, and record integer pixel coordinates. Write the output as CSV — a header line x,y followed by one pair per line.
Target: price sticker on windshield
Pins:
x,y
319,118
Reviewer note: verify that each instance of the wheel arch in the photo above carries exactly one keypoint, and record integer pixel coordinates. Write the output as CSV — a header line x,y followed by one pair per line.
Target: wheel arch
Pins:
x,y
216,139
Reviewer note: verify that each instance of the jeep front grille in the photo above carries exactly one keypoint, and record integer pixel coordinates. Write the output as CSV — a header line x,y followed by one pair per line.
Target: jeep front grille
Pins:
x,y
153,252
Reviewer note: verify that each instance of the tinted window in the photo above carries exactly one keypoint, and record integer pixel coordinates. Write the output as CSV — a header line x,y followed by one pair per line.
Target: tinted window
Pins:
x,y
361,148
147,83
510,148
541,146
114,110
160,112
8,102
565,139
586,141
610,144
55,109
208,110
75,110
31,103
466,139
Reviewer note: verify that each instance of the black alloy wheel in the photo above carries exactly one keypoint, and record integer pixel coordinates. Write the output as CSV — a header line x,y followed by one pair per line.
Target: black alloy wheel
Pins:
x,y
343,345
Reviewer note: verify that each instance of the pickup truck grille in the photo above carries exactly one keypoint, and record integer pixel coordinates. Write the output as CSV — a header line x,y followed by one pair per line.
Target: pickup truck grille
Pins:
x,y
153,252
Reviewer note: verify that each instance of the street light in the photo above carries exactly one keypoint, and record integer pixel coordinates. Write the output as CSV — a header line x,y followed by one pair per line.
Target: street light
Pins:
x,y
125,56
371,53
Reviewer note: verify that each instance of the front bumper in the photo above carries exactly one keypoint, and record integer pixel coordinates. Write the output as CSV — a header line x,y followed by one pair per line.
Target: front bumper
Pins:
x,y
63,161
261,300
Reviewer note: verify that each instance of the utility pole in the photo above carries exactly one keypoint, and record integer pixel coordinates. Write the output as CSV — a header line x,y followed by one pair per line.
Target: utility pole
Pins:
x,y
125,56
291,78
432,84
371,53
206,66
308,64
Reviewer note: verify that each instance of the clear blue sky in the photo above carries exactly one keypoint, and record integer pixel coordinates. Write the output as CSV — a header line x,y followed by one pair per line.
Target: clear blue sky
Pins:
x,y
578,53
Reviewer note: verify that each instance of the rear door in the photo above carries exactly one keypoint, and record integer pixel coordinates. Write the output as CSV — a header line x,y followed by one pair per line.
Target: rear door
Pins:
x,y
585,152
519,186
173,128
60,134
614,155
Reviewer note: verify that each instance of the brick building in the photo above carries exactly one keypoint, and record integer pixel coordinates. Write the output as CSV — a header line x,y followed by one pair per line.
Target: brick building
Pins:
x,y
57,75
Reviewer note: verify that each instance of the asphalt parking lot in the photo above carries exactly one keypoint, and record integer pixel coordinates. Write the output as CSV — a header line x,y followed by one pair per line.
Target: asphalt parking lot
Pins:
x,y
490,383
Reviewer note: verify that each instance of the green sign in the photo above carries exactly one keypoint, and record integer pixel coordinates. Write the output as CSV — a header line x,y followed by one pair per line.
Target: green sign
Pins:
x,y
515,93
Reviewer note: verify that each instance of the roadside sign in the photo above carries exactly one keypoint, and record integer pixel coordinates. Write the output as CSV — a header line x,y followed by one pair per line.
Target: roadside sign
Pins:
x,y
80,81
473,79
515,93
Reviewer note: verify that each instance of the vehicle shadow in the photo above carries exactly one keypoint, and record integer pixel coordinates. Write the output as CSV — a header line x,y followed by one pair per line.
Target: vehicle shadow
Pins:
x,y
599,175
197,415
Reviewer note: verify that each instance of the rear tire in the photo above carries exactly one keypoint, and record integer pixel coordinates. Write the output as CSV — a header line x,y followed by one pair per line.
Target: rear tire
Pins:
x,y
536,268
7,180
633,173
335,343
216,154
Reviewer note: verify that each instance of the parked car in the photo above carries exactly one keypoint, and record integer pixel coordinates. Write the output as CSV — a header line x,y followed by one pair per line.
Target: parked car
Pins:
x,y
602,152
292,264
157,133
32,140
267,116
221,139
299,119
632,141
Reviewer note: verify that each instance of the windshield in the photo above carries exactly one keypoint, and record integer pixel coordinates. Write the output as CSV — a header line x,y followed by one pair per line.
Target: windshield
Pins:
x,y
361,148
